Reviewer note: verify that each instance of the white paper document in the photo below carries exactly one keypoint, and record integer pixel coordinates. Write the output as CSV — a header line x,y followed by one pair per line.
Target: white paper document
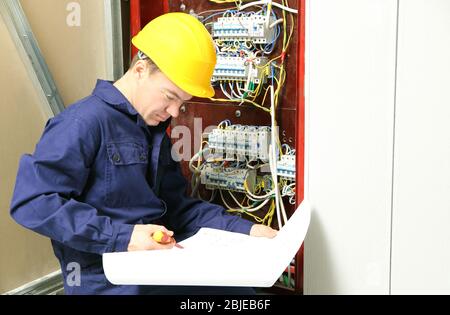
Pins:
x,y
213,258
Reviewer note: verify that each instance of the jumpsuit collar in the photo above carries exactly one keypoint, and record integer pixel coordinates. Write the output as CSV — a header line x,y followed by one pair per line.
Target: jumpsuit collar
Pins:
x,y
106,91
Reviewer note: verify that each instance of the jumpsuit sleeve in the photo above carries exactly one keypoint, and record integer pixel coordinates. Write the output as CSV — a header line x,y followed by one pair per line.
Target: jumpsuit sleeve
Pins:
x,y
188,214
50,181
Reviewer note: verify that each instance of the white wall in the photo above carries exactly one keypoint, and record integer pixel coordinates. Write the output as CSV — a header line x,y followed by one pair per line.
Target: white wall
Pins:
x,y
421,212
350,106
379,147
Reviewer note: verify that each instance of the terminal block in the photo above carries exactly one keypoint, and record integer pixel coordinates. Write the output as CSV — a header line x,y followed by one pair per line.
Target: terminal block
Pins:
x,y
228,178
286,167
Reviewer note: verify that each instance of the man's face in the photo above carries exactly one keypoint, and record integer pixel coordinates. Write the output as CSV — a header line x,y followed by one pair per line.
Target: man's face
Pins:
x,y
156,97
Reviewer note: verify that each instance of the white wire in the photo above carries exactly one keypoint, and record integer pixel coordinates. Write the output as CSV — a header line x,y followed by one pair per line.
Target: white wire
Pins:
x,y
287,148
232,87
261,197
227,123
213,195
231,208
289,189
248,209
292,200
225,92
233,93
275,4
240,88
274,179
250,68
276,22
272,159
283,210
195,157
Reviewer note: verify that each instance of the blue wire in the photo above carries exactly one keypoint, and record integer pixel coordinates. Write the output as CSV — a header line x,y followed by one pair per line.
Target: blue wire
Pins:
x,y
272,74
270,46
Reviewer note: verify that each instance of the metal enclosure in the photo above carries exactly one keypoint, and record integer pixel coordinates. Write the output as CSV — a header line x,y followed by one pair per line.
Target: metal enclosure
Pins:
x,y
290,111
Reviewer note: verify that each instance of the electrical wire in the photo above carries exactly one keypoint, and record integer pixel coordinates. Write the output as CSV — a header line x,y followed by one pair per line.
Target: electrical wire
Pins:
x,y
275,4
248,91
276,23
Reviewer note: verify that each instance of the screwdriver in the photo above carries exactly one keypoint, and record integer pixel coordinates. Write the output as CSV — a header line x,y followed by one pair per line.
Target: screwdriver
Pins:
x,y
164,238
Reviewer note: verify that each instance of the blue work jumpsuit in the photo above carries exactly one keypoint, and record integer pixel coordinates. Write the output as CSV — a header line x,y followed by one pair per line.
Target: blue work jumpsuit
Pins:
x,y
98,170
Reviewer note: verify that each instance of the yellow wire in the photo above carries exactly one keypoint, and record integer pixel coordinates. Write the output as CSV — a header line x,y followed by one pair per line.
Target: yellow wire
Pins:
x,y
282,74
270,213
280,82
239,203
240,101
222,1
237,2
200,155
230,209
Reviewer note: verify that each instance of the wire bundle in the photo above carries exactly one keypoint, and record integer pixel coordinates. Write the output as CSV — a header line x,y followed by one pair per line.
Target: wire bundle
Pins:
x,y
263,93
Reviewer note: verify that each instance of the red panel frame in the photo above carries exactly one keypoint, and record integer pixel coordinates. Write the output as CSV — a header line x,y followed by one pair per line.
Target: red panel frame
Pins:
x,y
144,11
300,138
135,21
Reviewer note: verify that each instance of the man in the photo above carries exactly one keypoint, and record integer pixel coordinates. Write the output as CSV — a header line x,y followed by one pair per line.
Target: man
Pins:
x,y
102,178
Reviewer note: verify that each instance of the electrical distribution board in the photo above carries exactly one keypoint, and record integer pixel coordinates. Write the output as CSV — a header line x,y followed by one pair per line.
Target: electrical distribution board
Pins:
x,y
249,166
247,159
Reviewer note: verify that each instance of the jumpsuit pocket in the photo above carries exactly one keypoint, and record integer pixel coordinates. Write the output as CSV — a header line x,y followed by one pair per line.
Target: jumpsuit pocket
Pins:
x,y
127,153
126,171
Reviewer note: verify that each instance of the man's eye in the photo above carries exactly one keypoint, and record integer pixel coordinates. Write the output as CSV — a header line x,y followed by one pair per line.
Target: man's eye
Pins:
x,y
170,98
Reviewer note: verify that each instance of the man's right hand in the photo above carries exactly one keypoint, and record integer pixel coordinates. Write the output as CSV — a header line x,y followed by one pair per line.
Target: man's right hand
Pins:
x,y
141,238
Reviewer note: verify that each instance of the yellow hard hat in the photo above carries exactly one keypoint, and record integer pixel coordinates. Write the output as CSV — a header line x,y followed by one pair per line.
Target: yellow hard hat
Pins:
x,y
183,50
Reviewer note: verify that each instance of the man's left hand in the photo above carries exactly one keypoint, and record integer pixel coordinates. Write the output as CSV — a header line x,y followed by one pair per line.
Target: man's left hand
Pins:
x,y
261,230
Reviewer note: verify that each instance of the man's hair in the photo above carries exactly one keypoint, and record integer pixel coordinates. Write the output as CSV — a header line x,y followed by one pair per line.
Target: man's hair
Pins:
x,y
141,56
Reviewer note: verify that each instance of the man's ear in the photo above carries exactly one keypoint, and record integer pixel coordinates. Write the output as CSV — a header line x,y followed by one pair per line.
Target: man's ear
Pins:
x,y
140,69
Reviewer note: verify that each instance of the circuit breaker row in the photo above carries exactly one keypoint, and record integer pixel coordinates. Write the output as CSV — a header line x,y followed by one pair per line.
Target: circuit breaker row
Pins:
x,y
251,28
238,142
230,68
232,178
237,30
229,178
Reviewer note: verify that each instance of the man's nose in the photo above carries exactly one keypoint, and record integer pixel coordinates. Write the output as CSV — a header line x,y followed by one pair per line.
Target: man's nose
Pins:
x,y
174,110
